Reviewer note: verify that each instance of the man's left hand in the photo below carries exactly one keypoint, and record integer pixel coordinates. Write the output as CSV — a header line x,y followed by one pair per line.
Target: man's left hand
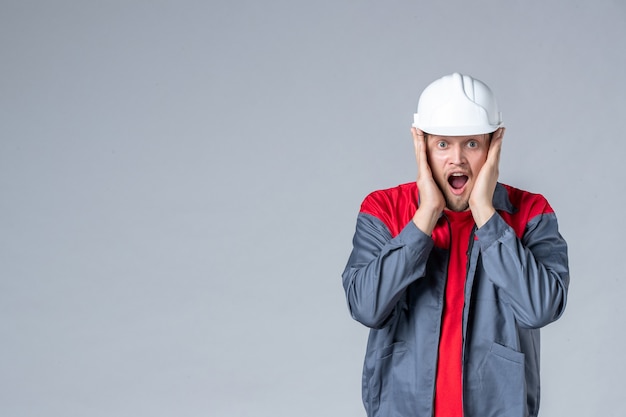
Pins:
x,y
481,199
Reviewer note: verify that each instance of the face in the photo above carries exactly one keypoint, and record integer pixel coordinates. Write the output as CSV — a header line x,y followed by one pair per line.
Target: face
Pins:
x,y
455,162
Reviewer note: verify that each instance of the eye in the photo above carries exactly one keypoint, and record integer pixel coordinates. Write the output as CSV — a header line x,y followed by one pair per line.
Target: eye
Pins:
x,y
442,145
472,144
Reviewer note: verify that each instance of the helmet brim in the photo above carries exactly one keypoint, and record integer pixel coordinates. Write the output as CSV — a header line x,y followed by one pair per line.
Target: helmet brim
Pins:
x,y
458,130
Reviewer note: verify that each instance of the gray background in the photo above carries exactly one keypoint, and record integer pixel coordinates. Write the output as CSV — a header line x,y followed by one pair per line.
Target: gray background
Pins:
x,y
180,180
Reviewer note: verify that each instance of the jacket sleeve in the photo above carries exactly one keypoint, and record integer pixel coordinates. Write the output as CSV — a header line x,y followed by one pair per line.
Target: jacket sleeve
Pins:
x,y
381,267
531,272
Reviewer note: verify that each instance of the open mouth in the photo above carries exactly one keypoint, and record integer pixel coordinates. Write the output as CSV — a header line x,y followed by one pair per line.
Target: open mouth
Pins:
x,y
457,181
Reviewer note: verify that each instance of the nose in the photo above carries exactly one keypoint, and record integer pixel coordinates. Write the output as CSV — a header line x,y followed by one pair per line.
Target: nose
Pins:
x,y
457,154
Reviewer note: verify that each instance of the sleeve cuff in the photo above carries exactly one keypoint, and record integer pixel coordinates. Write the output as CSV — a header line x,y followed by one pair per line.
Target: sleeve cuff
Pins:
x,y
412,236
491,231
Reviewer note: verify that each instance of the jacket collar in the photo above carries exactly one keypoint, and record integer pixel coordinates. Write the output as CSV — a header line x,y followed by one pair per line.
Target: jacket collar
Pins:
x,y
501,200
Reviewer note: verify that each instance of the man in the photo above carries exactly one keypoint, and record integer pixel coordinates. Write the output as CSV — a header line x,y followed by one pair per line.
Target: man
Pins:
x,y
455,273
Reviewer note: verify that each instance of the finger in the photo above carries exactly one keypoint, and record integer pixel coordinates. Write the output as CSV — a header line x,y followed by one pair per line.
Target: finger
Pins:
x,y
418,136
495,146
499,134
419,141
415,141
416,132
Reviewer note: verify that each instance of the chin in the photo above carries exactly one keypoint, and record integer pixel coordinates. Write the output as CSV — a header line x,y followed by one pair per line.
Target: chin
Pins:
x,y
454,204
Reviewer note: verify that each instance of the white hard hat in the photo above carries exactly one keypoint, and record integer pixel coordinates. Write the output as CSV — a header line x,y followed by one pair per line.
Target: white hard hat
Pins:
x,y
457,105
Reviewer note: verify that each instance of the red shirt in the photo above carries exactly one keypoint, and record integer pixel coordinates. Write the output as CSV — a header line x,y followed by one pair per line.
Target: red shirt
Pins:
x,y
449,385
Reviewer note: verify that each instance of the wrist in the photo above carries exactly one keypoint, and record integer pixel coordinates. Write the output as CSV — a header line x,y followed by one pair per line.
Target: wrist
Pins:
x,y
482,214
426,219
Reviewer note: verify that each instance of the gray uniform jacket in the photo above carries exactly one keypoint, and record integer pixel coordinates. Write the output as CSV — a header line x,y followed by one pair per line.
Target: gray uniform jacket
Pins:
x,y
517,280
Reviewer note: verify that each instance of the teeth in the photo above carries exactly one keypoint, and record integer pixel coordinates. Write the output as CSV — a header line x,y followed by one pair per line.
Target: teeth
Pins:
x,y
457,174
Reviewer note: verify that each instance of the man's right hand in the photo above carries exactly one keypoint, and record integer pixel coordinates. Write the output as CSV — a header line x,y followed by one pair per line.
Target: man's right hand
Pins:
x,y
431,201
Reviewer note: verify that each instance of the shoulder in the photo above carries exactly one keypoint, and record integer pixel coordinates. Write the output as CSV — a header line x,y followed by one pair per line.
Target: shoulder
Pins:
x,y
401,195
393,206
526,208
526,202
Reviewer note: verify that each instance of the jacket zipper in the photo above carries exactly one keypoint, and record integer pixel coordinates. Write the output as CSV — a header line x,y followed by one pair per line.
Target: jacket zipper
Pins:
x,y
468,254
